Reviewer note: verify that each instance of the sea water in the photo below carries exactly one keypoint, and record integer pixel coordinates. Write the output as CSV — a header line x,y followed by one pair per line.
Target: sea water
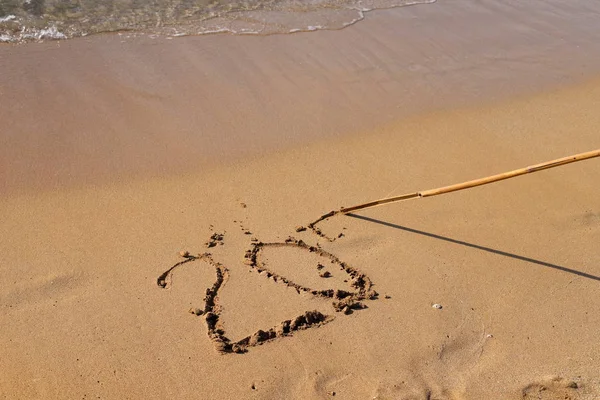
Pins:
x,y
30,20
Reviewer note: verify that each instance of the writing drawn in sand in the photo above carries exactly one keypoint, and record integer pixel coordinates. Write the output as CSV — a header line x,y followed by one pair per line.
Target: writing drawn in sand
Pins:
x,y
343,301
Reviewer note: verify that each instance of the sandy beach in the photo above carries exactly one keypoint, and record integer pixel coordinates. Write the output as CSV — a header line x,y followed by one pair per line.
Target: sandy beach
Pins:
x,y
122,158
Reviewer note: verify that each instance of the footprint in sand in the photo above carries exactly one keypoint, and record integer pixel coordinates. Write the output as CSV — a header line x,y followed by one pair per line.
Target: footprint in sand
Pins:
x,y
552,389
342,301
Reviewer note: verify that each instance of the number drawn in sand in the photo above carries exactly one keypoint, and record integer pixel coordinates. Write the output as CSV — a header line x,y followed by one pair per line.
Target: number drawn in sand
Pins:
x,y
343,302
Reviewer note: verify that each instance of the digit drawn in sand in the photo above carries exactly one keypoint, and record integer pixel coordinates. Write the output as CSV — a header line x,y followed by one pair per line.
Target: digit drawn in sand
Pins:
x,y
343,301
318,231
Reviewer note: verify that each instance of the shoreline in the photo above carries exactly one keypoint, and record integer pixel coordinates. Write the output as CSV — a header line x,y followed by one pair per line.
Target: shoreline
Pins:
x,y
99,109
344,17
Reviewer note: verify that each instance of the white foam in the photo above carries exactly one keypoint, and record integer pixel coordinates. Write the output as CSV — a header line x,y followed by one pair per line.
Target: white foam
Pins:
x,y
218,30
8,18
51,33
26,34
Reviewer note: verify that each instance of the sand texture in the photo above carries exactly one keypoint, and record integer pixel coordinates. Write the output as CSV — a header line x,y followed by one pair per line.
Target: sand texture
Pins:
x,y
87,309
171,259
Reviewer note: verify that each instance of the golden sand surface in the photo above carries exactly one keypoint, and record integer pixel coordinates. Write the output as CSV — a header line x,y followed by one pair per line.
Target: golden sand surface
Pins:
x,y
513,264
117,166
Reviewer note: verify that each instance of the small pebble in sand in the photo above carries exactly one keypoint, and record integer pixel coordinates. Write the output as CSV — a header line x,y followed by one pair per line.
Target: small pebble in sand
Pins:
x,y
388,296
489,336
325,274
184,253
300,228
437,306
196,311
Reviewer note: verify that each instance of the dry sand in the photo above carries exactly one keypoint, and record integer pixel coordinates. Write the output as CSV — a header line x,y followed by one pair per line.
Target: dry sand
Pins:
x,y
514,265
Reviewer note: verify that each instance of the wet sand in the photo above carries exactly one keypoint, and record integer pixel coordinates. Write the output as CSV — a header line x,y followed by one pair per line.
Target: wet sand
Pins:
x,y
91,224
108,108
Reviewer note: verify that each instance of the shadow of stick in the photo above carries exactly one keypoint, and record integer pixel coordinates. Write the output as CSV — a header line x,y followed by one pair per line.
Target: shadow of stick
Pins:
x,y
478,247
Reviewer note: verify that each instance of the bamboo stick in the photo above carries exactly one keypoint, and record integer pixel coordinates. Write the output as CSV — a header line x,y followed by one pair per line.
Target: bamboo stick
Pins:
x,y
346,210
477,182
